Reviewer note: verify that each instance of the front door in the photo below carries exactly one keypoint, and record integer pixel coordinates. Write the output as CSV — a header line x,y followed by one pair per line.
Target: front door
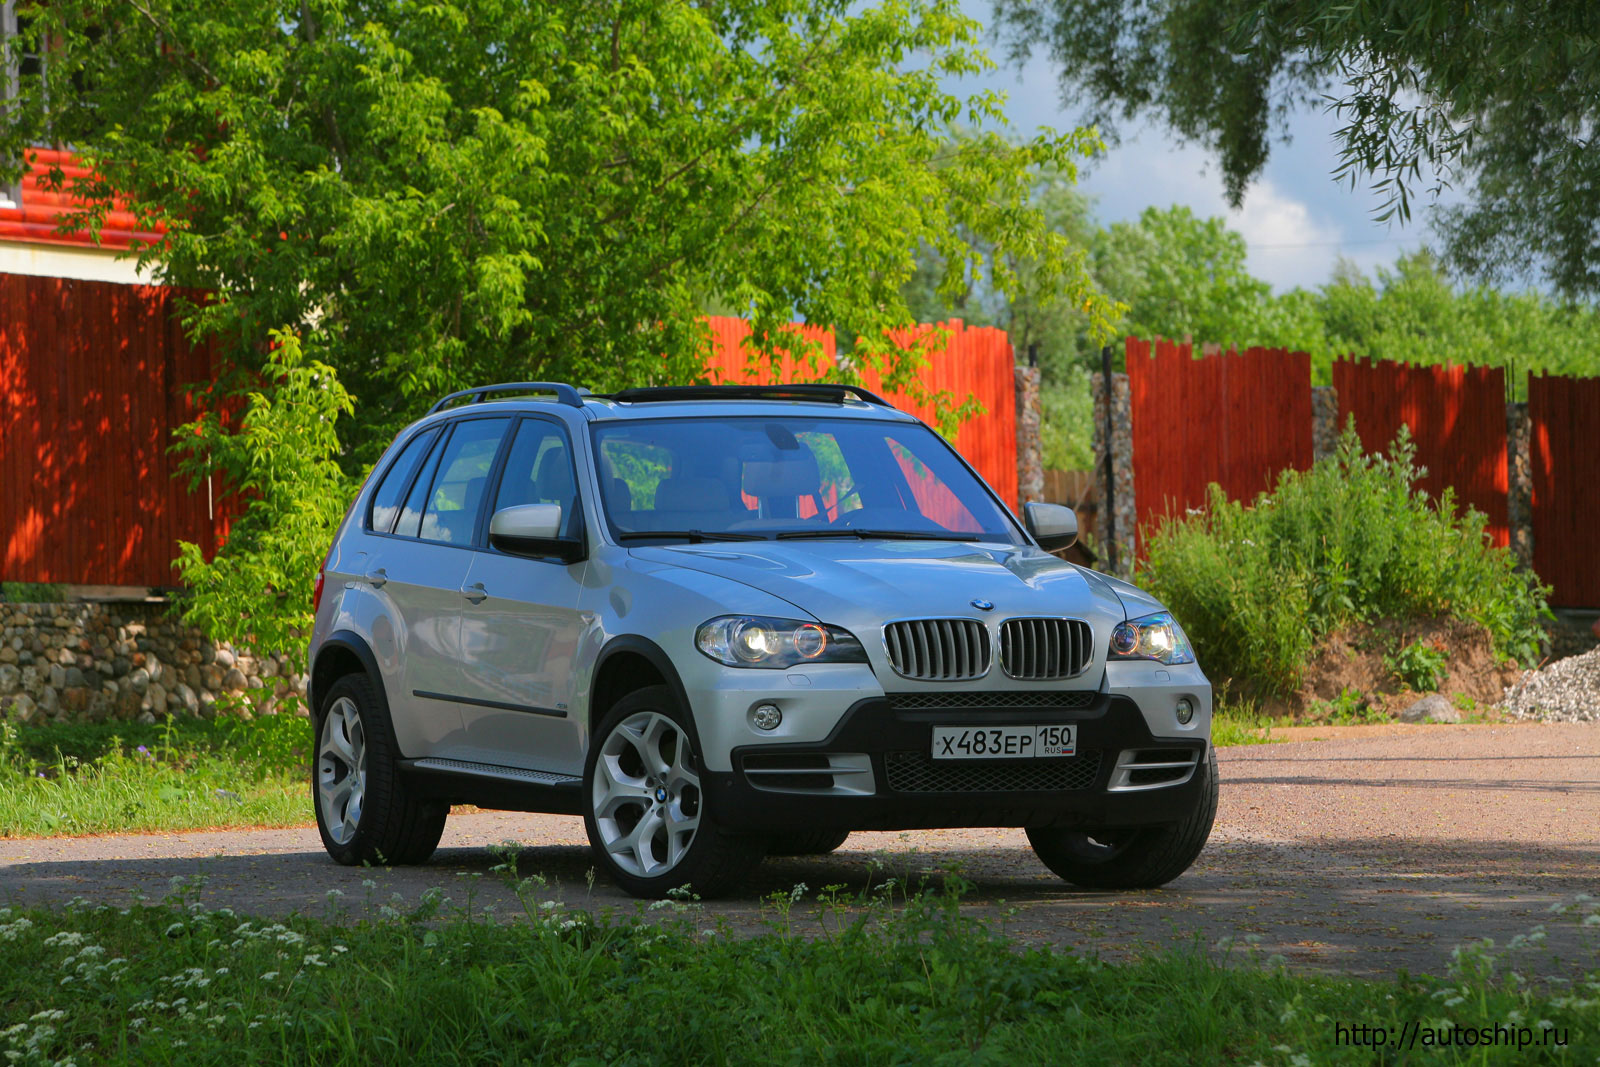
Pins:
x,y
520,625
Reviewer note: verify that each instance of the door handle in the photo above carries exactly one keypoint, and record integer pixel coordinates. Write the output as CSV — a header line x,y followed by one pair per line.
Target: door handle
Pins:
x,y
475,592
376,577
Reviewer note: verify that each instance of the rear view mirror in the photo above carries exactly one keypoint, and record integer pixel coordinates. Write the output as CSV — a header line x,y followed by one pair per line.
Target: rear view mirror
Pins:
x,y
1053,526
533,530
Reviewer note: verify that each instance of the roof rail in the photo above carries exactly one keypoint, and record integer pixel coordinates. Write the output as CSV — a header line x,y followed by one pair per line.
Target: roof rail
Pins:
x,y
838,394
565,393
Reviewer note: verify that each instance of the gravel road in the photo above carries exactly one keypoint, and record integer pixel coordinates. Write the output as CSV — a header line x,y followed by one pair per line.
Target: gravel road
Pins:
x,y
1372,850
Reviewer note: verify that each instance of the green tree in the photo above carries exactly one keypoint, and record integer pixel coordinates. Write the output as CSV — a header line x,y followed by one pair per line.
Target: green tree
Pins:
x,y
1182,275
1500,99
283,451
431,196
1412,313
437,195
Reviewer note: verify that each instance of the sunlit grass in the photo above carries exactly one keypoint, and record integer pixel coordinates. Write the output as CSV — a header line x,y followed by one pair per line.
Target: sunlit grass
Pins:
x,y
183,776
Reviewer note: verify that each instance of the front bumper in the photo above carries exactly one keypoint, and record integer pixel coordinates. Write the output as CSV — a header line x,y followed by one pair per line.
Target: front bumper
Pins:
x,y
873,772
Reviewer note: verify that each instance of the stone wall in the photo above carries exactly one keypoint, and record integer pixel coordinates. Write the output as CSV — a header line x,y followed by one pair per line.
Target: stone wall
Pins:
x,y
1122,467
95,662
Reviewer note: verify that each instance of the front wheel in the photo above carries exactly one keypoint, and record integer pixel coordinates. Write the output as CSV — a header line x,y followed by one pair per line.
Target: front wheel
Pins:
x,y
1133,857
647,817
364,812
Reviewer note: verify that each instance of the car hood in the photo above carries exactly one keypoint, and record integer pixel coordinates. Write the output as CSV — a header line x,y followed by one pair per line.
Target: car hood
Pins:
x,y
861,585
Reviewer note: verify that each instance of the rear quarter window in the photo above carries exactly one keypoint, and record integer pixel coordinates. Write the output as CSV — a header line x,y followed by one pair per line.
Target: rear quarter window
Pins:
x,y
391,491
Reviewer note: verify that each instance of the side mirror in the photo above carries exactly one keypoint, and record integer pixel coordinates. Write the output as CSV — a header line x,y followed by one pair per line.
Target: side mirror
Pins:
x,y
1053,526
533,530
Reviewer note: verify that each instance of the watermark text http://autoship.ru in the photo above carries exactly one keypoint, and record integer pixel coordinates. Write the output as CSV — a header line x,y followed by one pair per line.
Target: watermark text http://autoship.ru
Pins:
x,y
1441,1035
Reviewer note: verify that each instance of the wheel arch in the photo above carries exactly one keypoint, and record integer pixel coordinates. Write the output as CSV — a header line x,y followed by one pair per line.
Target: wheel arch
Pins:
x,y
344,652
629,663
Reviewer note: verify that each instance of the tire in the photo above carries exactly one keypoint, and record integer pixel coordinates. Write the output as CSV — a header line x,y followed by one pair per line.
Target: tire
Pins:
x,y
648,822
365,814
1131,858
805,842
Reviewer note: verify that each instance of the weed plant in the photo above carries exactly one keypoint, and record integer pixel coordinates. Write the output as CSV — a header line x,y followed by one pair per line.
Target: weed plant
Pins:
x,y
884,977
1350,540
183,774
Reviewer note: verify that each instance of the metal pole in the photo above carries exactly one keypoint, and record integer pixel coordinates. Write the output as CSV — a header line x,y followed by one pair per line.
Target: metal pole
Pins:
x,y
1111,469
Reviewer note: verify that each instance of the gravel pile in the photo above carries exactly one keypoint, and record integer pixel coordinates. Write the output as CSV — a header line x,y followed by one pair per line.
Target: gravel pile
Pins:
x,y
1567,690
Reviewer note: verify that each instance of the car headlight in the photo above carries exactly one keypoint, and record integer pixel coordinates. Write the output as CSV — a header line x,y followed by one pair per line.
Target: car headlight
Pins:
x,y
1157,637
765,642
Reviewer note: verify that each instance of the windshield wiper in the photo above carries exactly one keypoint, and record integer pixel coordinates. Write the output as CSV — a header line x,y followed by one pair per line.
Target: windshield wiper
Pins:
x,y
877,535
694,537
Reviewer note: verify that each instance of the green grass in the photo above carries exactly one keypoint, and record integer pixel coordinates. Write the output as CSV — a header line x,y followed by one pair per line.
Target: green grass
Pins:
x,y
122,777
883,979
1239,720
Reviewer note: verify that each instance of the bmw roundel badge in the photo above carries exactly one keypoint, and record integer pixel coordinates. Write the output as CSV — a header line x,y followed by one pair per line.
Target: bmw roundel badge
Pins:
x,y
982,604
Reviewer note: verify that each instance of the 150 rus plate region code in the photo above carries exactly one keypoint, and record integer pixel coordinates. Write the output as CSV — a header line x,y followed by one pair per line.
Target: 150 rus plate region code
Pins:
x,y
1004,742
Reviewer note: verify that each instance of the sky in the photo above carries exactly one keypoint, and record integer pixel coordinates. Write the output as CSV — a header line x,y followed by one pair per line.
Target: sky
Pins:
x,y
1296,220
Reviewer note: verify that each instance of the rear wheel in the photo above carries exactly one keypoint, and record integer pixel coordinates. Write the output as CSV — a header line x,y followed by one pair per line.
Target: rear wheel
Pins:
x,y
1131,858
647,817
805,842
364,812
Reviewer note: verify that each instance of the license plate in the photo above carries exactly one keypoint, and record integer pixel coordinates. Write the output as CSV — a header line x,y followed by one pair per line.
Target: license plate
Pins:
x,y
1004,742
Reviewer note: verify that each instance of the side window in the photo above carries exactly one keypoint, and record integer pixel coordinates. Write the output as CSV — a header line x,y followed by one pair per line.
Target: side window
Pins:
x,y
539,471
391,491
451,513
410,524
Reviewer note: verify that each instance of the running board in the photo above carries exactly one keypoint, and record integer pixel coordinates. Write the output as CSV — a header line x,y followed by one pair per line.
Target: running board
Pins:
x,y
490,785
492,770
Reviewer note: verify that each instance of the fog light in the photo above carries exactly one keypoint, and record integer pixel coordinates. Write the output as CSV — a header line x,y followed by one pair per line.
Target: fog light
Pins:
x,y
1185,710
766,716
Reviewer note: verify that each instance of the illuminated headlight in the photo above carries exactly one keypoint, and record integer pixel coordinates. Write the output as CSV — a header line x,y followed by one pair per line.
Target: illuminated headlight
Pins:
x,y
760,641
1157,637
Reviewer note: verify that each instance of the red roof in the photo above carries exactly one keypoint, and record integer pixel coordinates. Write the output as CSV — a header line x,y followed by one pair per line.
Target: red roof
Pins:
x,y
36,218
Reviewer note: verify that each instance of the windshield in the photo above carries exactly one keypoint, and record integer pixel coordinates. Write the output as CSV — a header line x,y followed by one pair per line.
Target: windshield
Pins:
x,y
789,477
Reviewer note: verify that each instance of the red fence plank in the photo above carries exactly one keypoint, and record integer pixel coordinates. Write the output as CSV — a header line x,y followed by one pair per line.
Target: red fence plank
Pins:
x,y
976,361
90,376
1565,450
1233,419
1457,418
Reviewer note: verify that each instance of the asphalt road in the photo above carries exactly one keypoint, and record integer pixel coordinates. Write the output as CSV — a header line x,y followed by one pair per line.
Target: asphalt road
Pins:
x,y
1375,850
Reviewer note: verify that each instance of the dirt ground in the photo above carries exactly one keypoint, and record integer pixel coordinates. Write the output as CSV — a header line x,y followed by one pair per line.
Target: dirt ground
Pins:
x,y
1354,659
1376,849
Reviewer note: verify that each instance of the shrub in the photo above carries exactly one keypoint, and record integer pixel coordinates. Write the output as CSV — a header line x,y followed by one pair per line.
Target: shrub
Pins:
x,y
1351,539
1420,666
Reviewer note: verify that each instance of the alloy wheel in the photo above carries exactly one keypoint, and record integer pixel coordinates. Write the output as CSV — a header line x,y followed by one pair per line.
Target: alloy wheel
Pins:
x,y
646,794
342,770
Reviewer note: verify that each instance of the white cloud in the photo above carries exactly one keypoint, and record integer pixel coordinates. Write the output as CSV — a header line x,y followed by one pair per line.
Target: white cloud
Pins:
x,y
1288,245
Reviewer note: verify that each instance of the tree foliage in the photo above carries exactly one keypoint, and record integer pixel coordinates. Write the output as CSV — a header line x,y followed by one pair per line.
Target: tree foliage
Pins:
x,y
283,448
437,195
1499,99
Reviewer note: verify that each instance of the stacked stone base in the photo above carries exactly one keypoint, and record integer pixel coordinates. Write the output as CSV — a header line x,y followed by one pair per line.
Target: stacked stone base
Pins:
x,y
129,662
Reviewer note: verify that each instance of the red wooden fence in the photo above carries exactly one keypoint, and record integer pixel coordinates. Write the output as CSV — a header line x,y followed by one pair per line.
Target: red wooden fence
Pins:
x,y
1457,417
976,361
91,381
1233,419
1565,450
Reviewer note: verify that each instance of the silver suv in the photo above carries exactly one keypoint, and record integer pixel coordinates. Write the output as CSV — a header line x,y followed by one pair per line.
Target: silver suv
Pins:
x,y
719,622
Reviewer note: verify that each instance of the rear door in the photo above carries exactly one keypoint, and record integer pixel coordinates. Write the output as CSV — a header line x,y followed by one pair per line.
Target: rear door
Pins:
x,y
421,568
520,624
